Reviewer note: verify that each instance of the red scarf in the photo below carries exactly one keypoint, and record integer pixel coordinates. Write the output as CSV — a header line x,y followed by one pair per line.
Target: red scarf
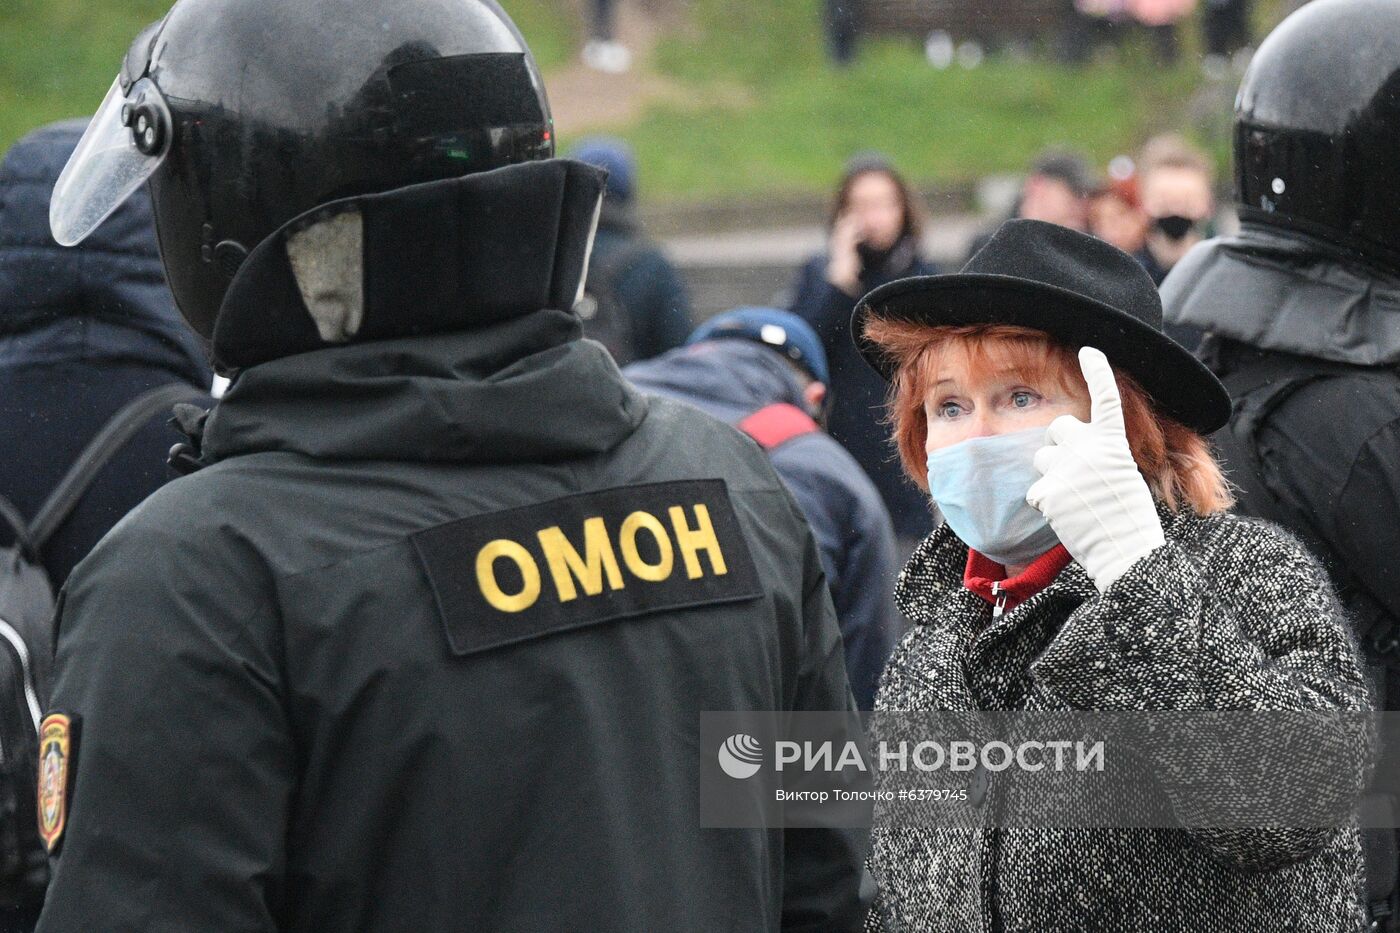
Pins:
x,y
982,572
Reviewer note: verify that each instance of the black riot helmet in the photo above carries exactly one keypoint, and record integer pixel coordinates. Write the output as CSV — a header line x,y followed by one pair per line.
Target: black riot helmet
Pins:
x,y
1317,128
243,114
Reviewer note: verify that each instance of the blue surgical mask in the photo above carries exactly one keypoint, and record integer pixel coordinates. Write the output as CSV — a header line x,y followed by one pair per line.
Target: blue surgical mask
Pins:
x,y
980,487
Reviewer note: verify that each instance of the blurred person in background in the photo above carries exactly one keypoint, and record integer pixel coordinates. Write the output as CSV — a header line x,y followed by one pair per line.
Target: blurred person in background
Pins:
x,y
1300,311
93,355
635,302
1090,22
765,372
602,52
1175,180
841,25
1160,18
1176,188
1225,26
874,235
1115,210
1057,190
82,333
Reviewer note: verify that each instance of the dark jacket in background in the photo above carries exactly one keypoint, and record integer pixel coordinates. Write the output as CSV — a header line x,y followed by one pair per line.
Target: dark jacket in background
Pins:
x,y
1332,446
857,412
304,710
731,379
647,285
82,332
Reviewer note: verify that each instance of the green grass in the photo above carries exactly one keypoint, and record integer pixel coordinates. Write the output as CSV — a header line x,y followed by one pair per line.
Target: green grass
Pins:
x,y
768,114
553,35
58,57
793,128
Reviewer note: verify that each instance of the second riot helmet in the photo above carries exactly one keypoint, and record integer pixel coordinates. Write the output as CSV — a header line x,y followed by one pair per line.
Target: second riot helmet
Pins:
x,y
1317,128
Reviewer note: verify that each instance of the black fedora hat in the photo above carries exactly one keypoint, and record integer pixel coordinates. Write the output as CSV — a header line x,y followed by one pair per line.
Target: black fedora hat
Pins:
x,y
1079,290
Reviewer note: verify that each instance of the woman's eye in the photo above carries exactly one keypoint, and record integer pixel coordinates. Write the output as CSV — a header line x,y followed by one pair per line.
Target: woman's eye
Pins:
x,y
949,410
1022,399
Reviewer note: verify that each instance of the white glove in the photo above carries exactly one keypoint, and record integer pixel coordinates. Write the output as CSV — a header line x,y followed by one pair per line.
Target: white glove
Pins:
x,y
1092,492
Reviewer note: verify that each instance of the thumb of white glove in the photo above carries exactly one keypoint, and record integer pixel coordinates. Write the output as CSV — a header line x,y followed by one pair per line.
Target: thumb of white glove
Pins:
x,y
1091,491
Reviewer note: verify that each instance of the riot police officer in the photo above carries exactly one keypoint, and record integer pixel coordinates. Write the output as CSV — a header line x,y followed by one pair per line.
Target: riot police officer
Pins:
x,y
422,642
1300,307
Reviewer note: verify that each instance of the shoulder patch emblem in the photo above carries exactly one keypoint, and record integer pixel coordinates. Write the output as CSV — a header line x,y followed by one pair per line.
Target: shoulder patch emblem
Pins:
x,y
57,743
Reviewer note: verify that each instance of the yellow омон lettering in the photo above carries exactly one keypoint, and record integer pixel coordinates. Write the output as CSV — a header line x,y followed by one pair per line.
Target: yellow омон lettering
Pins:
x,y
486,575
692,541
627,540
565,562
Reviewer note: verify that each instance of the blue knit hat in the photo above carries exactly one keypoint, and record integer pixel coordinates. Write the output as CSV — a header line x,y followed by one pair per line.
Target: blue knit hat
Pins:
x,y
783,331
616,157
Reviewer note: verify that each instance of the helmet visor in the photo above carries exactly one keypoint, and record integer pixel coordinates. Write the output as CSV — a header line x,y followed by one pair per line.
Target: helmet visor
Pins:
x,y
124,144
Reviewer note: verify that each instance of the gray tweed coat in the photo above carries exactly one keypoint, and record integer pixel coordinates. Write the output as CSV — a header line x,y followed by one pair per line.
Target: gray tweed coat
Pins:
x,y
1229,614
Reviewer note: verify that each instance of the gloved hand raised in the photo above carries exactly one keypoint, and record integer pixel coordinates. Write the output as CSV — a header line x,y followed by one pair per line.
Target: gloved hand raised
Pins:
x,y
1091,491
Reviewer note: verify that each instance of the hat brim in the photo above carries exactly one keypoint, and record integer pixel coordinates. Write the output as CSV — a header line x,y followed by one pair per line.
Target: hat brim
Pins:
x,y
1179,384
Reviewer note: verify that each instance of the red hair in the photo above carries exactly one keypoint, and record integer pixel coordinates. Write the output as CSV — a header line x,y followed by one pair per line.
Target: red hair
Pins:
x,y
1175,460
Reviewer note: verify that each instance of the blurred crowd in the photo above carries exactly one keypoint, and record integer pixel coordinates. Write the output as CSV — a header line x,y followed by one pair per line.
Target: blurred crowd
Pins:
x,y
962,30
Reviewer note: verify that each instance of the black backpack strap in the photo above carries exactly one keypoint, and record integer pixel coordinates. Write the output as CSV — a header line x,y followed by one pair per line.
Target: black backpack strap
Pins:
x,y
24,538
122,427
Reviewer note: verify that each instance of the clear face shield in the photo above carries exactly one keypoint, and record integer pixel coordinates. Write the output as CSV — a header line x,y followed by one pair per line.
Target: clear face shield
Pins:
x,y
124,144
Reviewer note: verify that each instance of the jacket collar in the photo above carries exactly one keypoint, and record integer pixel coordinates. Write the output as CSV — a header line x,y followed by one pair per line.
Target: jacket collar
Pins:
x,y
988,579
438,257
525,389
1284,293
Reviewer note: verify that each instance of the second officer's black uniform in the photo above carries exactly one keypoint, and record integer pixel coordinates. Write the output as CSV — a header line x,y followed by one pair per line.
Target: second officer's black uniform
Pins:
x,y
423,642
1302,310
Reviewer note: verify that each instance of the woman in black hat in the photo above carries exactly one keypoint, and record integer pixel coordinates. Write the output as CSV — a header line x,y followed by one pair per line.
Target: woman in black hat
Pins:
x,y
1088,563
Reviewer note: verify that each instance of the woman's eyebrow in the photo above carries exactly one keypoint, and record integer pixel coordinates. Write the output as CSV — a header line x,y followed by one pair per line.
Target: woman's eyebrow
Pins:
x,y
1009,373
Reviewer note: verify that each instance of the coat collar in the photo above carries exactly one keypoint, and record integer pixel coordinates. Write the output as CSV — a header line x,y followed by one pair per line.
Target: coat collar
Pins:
x,y
437,258
988,579
1284,292
526,389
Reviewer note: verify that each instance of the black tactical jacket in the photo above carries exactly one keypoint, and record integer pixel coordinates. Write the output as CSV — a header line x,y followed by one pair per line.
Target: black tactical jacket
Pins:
x,y
1310,348
424,648
1308,343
